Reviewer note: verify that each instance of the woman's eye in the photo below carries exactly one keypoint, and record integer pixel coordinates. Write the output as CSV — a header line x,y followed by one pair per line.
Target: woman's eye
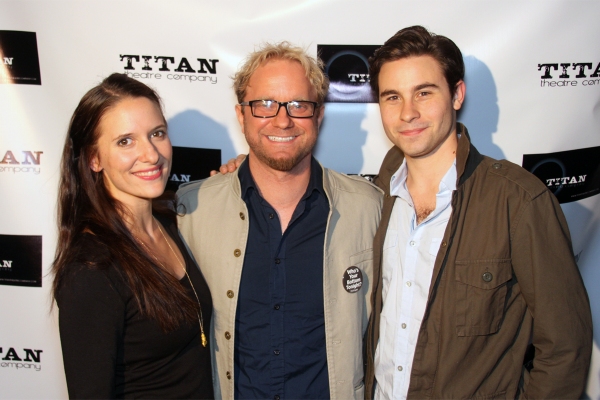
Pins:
x,y
159,133
124,142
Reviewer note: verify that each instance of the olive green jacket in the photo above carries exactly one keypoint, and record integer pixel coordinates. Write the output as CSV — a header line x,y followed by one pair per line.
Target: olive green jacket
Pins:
x,y
504,277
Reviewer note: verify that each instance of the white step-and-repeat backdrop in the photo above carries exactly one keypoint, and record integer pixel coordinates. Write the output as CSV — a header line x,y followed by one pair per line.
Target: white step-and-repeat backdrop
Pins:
x,y
533,97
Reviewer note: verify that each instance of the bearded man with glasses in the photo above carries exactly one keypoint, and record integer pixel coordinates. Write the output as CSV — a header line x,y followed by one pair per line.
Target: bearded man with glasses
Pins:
x,y
285,245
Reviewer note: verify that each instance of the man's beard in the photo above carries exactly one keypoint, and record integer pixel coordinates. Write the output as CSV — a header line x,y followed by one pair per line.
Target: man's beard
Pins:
x,y
283,164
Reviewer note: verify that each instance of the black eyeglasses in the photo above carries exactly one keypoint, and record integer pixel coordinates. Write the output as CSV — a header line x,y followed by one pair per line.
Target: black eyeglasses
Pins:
x,y
270,108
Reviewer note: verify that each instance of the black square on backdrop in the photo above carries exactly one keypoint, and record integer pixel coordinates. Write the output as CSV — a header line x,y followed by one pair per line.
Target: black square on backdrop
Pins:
x,y
192,164
19,60
21,260
571,175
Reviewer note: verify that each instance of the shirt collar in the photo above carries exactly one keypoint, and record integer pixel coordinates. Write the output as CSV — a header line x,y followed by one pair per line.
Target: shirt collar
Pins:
x,y
448,182
398,182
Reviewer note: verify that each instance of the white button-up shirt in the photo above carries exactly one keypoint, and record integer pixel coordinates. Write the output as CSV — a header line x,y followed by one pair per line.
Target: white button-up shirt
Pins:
x,y
409,253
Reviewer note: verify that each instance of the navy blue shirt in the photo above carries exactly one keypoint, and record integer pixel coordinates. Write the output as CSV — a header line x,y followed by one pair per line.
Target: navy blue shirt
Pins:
x,y
280,326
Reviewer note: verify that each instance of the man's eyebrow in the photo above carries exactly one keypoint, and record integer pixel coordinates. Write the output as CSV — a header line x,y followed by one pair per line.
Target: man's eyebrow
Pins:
x,y
421,86
388,92
425,86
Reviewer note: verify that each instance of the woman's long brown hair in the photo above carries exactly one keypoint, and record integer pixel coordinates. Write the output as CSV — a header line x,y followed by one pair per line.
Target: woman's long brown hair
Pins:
x,y
86,206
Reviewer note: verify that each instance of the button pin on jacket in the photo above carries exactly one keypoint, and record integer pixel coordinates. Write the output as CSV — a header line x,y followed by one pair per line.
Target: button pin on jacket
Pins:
x,y
352,279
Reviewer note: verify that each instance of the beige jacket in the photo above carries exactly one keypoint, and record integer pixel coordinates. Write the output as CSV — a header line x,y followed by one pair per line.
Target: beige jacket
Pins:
x,y
215,228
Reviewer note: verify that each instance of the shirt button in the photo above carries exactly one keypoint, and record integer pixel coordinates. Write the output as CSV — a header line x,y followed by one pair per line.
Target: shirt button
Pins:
x,y
277,261
230,294
237,252
242,216
408,283
276,397
412,242
227,335
276,352
444,244
400,368
487,276
271,216
403,326
276,306
497,165
228,375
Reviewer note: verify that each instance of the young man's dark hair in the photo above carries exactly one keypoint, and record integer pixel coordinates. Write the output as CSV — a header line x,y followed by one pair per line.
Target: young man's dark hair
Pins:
x,y
418,41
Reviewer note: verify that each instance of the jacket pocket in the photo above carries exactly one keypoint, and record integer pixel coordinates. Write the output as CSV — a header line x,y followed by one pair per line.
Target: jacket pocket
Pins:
x,y
481,288
363,256
358,276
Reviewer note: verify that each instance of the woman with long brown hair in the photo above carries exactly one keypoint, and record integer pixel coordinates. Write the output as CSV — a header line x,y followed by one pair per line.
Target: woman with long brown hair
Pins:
x,y
134,310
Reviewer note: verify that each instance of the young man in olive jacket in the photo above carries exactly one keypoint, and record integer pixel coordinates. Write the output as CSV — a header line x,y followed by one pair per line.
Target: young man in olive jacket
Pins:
x,y
476,291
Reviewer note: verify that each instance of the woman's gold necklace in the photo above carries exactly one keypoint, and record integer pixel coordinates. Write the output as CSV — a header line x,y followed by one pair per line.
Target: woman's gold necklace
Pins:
x,y
199,314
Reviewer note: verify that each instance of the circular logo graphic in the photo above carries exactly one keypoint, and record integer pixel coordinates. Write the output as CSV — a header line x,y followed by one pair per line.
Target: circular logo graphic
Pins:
x,y
347,62
348,72
550,168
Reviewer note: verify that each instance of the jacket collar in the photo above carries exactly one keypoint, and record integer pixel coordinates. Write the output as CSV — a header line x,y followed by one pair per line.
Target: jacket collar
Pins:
x,y
467,159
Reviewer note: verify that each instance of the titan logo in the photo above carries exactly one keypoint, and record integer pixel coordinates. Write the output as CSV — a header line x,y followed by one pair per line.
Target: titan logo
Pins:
x,y
29,158
30,355
564,67
361,78
567,180
6,264
180,178
8,60
206,66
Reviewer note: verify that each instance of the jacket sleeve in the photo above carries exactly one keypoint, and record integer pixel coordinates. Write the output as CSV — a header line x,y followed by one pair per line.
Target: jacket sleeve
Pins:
x,y
91,321
551,284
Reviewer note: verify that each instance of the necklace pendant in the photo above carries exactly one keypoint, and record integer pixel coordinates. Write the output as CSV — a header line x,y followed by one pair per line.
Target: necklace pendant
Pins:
x,y
202,335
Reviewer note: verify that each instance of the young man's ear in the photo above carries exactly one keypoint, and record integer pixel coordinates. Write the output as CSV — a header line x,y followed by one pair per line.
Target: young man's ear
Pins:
x,y
459,95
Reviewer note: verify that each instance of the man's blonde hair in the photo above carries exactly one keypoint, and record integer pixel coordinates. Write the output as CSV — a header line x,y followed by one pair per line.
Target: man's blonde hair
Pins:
x,y
281,51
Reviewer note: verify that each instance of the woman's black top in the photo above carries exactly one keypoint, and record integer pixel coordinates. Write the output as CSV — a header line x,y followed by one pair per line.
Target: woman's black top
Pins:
x,y
111,351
